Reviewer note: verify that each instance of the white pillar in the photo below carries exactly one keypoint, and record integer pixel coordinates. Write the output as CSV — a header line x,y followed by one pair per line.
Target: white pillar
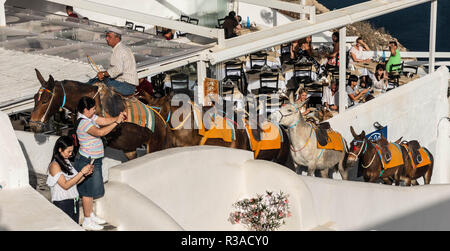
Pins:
x,y
2,13
342,69
201,75
302,15
433,18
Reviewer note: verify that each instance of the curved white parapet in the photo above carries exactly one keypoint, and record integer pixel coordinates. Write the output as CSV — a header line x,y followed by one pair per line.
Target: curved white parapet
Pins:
x,y
193,188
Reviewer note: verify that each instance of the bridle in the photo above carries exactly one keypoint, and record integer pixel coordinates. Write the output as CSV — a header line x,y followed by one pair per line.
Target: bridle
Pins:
x,y
41,90
287,115
364,145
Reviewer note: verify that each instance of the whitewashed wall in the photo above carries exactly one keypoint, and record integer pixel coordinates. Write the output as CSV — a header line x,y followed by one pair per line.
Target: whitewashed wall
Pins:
x,y
13,166
412,111
261,15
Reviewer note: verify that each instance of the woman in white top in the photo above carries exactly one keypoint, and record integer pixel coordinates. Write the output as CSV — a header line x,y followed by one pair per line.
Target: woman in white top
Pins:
x,y
357,52
380,78
63,178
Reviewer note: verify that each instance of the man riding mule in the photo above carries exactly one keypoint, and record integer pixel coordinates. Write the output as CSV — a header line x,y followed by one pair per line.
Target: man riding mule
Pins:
x,y
122,73
304,142
54,95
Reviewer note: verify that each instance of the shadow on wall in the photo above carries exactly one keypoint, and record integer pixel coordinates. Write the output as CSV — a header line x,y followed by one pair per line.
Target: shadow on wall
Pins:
x,y
31,173
2,228
431,218
267,16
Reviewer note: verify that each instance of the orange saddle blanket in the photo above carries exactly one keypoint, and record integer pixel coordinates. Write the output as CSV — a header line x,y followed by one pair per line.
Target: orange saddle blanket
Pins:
x,y
396,156
271,137
138,113
426,160
335,142
221,128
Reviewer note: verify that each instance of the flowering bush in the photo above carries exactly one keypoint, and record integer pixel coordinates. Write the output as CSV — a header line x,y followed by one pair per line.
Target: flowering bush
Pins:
x,y
263,213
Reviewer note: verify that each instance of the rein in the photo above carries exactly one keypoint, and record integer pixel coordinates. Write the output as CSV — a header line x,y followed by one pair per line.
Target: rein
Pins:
x,y
41,90
364,145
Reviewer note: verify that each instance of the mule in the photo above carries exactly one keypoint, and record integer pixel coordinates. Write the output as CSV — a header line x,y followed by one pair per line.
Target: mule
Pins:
x,y
411,171
54,95
370,162
188,135
303,144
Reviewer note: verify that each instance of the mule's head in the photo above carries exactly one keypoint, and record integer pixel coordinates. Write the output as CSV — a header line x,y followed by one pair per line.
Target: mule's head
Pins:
x,y
43,105
357,146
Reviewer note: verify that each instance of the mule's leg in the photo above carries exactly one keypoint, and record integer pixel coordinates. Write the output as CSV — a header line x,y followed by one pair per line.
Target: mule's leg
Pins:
x,y
343,171
311,171
407,181
324,173
131,155
427,176
414,182
387,181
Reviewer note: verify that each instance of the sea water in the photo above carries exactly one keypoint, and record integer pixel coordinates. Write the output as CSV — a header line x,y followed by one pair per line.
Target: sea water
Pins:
x,y
411,25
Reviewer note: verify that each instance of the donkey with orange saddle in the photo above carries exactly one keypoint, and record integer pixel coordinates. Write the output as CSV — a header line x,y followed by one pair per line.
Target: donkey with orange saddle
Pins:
x,y
371,163
419,164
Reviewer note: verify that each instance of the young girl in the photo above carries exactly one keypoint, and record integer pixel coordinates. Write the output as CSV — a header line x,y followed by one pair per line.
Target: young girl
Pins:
x,y
63,178
89,131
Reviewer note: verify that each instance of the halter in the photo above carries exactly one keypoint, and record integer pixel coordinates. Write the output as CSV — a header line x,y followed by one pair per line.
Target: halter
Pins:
x,y
296,111
364,145
41,90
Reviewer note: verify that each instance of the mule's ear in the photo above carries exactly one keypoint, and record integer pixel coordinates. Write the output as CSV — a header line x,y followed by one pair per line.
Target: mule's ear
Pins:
x,y
399,140
291,97
51,82
353,132
40,78
363,134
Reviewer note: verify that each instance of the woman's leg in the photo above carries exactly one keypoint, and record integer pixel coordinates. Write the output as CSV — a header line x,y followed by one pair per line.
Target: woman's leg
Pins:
x,y
87,206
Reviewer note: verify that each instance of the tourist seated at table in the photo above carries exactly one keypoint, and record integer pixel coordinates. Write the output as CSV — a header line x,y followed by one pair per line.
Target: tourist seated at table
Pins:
x,y
302,96
395,57
333,57
354,93
357,53
365,81
330,97
303,49
230,24
380,78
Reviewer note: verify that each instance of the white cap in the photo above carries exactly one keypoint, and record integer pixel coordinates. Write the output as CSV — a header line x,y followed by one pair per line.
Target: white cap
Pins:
x,y
114,29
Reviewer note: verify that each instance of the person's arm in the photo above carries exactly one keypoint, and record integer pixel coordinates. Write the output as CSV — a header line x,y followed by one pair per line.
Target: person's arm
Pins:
x,y
102,121
66,184
100,132
335,50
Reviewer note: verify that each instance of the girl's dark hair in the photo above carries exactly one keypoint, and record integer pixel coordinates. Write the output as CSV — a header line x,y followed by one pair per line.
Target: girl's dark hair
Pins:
x,y
62,143
85,103
352,78
336,34
379,66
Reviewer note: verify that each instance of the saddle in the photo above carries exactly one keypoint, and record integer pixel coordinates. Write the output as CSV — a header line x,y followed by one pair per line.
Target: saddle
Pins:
x,y
113,103
396,156
327,138
383,147
267,137
418,155
220,127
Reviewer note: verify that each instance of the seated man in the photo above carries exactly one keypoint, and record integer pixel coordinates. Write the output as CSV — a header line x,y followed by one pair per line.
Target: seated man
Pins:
x,y
395,57
122,73
230,25
330,97
356,53
70,13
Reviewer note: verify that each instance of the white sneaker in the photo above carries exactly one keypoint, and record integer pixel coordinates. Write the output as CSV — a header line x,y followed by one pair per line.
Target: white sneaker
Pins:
x,y
97,219
89,224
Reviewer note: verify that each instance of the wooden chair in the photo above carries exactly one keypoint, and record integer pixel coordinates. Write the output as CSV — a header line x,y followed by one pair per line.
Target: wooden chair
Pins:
x,y
220,22
129,25
234,71
395,71
193,21
257,60
285,53
266,79
179,83
303,73
184,18
139,28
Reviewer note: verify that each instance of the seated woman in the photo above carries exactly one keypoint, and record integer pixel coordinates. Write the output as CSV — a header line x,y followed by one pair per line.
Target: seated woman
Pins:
x,y
380,78
333,58
302,96
353,92
303,49
330,97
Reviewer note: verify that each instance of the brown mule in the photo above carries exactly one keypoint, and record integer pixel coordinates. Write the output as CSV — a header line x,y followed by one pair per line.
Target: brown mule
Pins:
x,y
54,95
413,168
370,162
